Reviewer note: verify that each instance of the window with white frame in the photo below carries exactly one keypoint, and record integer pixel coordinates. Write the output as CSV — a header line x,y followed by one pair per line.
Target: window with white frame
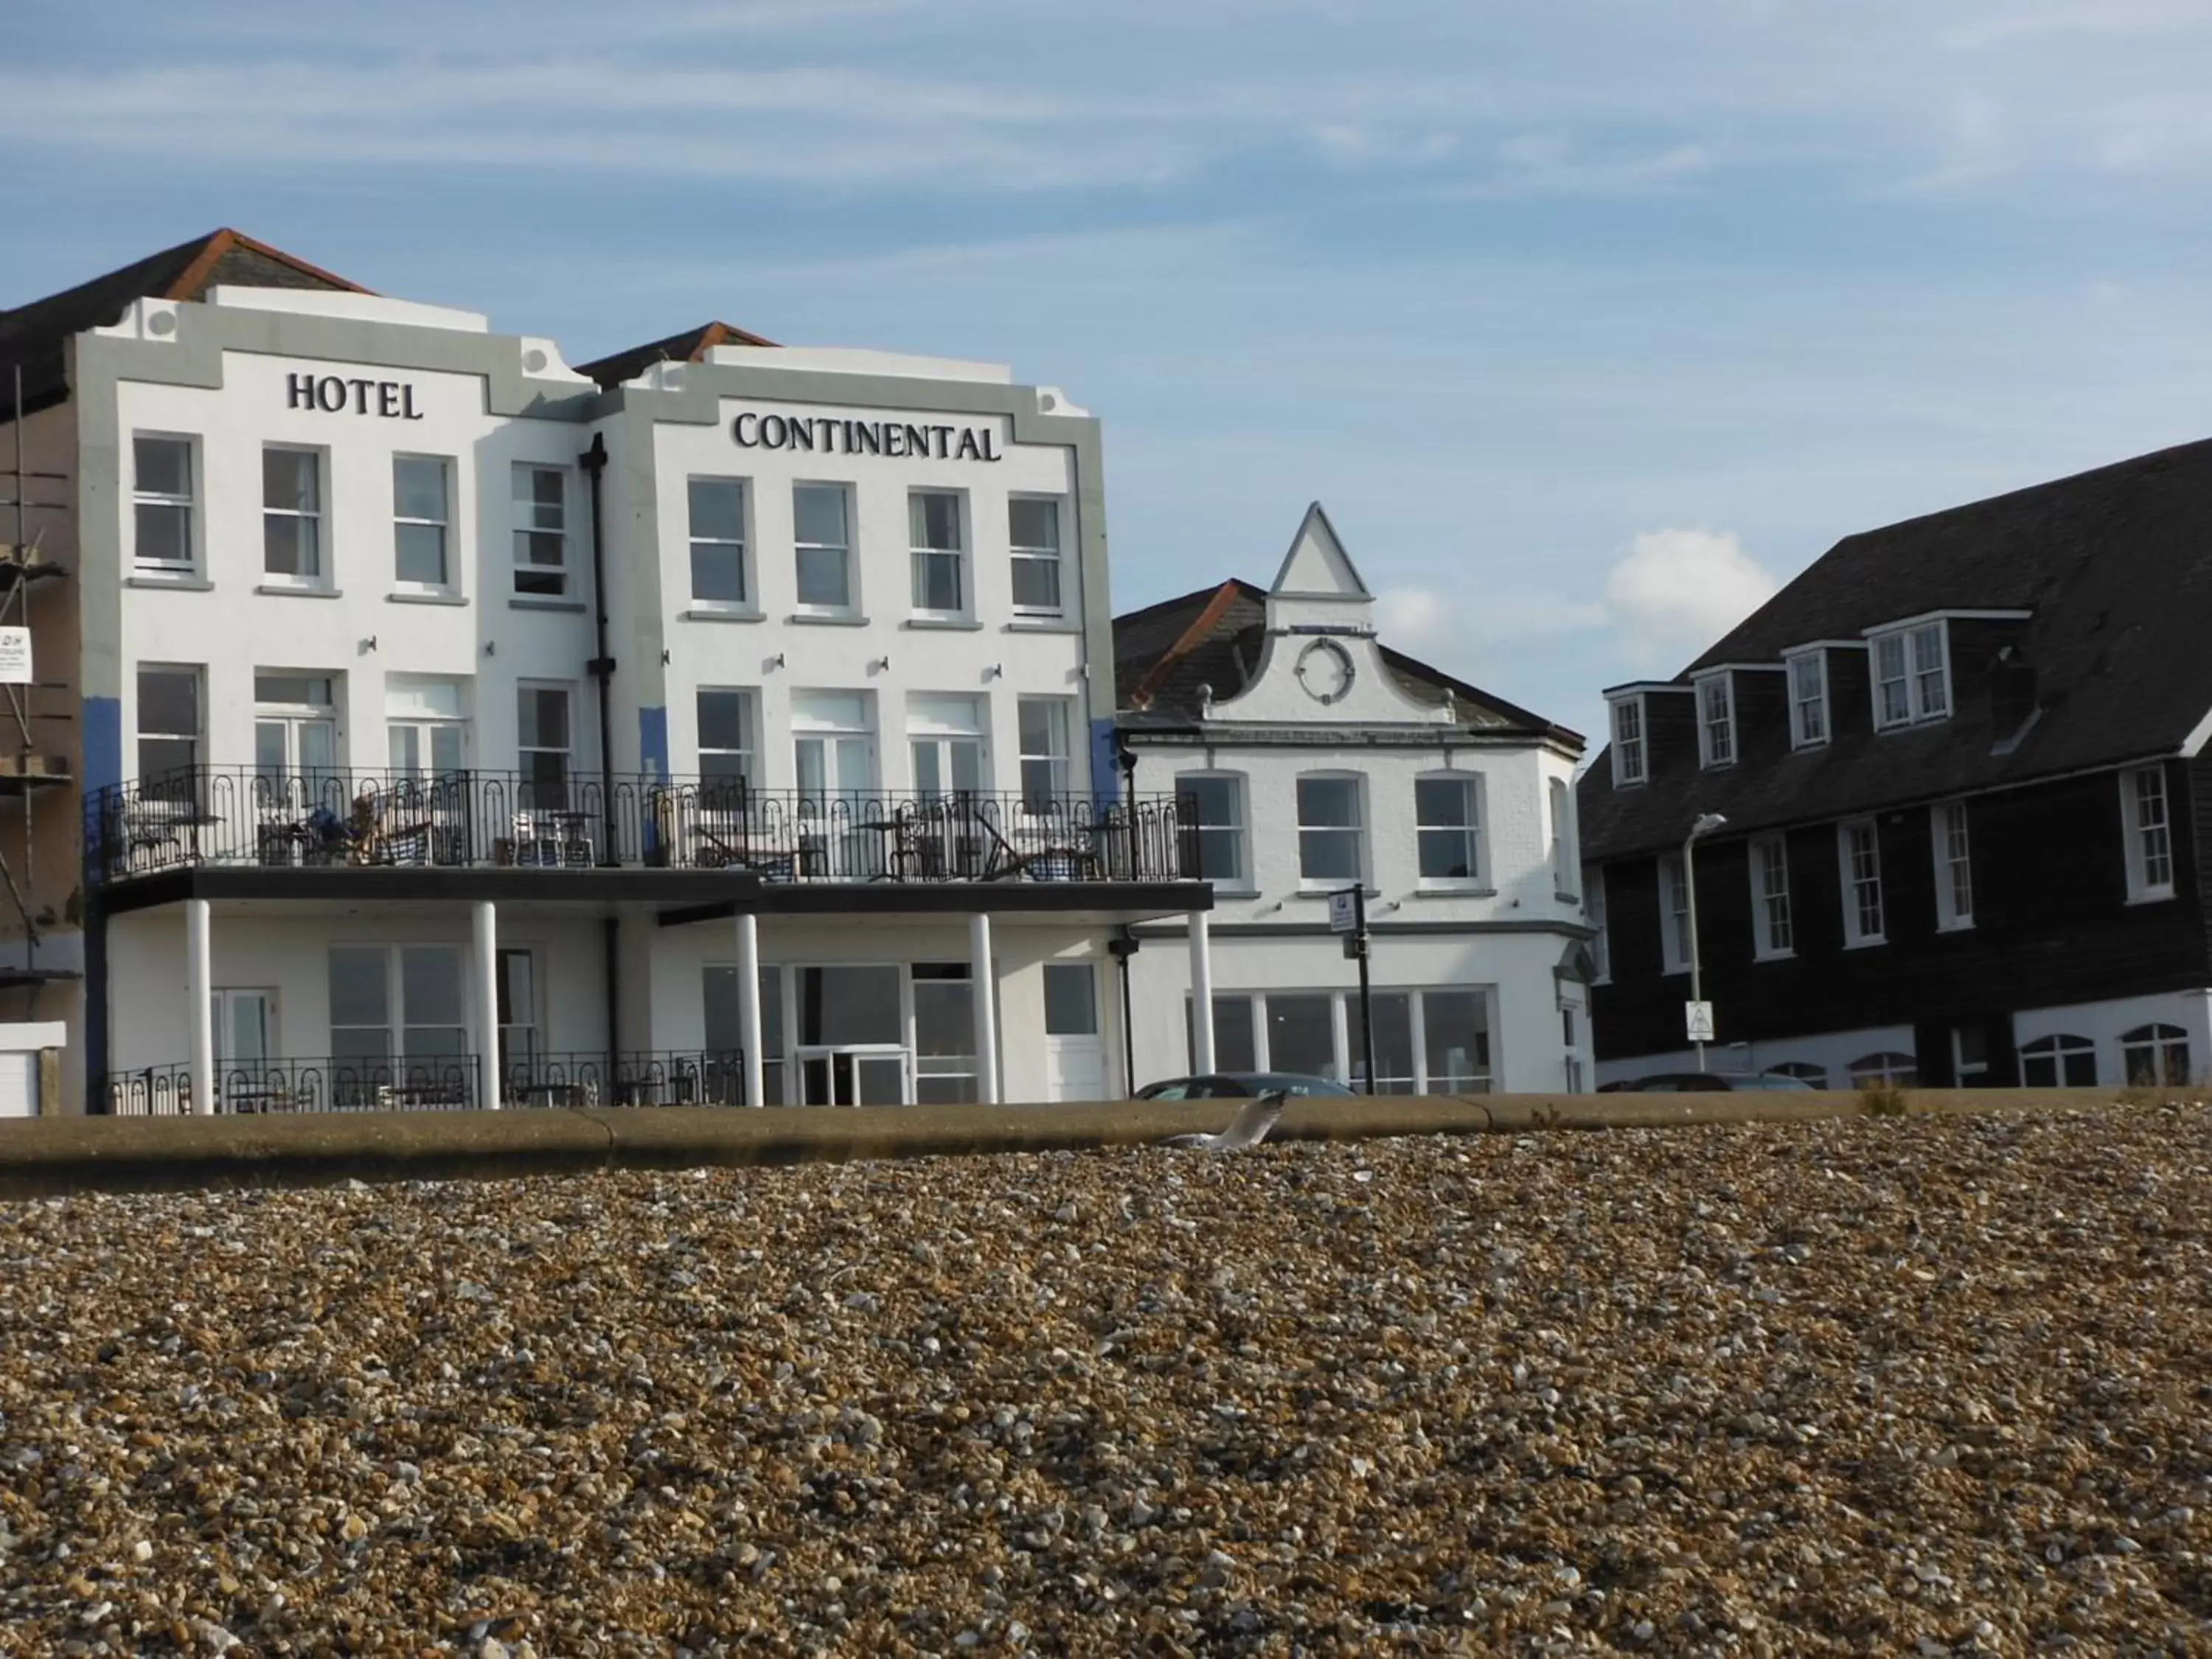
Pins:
x,y
1628,752
1911,676
2153,1054
520,1042
1887,1070
1033,534
422,521
543,743
296,733
1717,719
1802,1069
1216,803
1448,827
170,709
1860,852
822,538
834,745
292,514
425,725
1601,943
1808,699
1047,760
2149,833
1330,830
1674,915
1772,935
944,1069
941,588
2059,1061
541,530
1565,859
403,1002
1427,1040
724,1024
716,508
1955,865
944,743
162,504
727,766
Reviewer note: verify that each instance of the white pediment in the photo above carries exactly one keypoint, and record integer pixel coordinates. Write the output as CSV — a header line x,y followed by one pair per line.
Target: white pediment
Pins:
x,y
1317,567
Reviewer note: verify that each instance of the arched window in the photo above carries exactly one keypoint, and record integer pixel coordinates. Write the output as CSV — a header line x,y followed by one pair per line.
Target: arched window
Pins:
x,y
1886,1070
1816,1075
2155,1055
2060,1061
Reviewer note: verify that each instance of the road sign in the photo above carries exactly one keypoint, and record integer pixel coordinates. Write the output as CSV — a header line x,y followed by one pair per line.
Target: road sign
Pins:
x,y
1344,911
1700,1017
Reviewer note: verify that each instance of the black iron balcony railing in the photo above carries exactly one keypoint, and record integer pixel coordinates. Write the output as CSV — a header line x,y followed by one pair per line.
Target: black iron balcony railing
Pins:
x,y
633,1079
340,1083
241,817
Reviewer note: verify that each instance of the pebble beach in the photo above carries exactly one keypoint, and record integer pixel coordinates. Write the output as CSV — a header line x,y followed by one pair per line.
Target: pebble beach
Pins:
x,y
1922,1385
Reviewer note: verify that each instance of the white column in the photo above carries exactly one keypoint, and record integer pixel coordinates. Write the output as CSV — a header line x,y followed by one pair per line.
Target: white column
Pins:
x,y
1202,993
985,987
486,1000
748,1008
199,998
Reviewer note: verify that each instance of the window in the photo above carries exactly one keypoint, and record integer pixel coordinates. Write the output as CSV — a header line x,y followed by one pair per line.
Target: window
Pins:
x,y
1674,915
1071,999
2152,1055
292,514
422,513
1628,757
1448,827
1565,860
162,504
426,724
1955,866
725,1026
420,983
295,734
1395,1071
717,541
1456,1036
1911,675
1033,531
1970,1056
1886,1070
1601,943
945,740
1808,700
1573,1059
1045,757
1217,805
822,526
1426,1042
542,741
944,1032
1770,897
1716,720
541,529
168,730
2058,1062
1235,1040
1860,852
1329,852
834,745
519,1041
2150,841
1804,1069
1302,1035
726,741
934,516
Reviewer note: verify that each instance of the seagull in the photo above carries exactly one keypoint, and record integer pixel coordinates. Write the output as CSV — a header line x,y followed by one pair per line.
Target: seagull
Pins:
x,y
1245,1131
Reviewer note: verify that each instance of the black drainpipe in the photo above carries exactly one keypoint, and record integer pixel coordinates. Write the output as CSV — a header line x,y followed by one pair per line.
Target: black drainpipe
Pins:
x,y
602,668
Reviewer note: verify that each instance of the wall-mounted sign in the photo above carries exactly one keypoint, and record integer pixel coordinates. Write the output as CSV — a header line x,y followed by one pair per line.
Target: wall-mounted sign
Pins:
x,y
334,394
842,437
14,656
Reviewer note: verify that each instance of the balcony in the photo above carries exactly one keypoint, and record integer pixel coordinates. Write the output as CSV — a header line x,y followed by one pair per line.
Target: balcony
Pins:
x,y
241,818
438,1082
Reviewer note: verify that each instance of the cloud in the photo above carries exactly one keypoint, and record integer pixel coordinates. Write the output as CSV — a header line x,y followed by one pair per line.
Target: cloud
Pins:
x,y
1677,591
1413,619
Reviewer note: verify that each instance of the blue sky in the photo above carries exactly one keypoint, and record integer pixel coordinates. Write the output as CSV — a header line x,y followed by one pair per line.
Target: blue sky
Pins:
x,y
1589,320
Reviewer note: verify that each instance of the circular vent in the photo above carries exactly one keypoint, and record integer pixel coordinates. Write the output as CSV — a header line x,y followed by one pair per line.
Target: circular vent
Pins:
x,y
161,323
533,359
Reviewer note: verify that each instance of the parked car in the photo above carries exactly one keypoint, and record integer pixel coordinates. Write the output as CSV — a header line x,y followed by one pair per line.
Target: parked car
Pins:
x,y
1240,1085
1693,1083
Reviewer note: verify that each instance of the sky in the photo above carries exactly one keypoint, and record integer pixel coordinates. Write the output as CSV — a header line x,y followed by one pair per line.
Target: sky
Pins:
x,y
1590,321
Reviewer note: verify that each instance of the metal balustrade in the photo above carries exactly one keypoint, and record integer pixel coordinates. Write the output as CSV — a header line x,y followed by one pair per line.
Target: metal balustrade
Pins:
x,y
243,816
340,1083
644,1078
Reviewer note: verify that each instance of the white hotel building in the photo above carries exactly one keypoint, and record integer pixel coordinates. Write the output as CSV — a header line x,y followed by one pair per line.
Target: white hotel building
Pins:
x,y
717,722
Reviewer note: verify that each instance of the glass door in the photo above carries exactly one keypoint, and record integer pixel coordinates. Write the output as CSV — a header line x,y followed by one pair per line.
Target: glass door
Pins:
x,y
869,1074
296,733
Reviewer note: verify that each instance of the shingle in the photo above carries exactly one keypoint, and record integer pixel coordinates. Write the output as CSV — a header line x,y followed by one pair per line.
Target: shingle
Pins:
x,y
691,346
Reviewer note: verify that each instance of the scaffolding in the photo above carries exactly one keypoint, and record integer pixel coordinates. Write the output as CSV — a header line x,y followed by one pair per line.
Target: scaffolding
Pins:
x,y
28,768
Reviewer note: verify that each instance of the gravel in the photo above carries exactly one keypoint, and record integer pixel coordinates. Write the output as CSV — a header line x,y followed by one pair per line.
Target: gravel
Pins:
x,y
1923,1386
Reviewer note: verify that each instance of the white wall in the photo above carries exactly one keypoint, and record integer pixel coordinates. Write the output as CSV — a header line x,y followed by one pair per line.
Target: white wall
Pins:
x,y
2104,1023
1832,1051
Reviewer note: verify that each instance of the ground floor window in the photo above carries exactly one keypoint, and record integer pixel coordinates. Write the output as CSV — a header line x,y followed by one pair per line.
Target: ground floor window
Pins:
x,y
860,1033
726,1031
1426,1042
1803,1069
2152,1055
944,1033
2060,1061
397,1001
1886,1070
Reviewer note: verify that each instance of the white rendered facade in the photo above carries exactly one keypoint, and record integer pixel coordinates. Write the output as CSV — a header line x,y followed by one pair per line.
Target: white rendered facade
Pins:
x,y
1477,967
401,739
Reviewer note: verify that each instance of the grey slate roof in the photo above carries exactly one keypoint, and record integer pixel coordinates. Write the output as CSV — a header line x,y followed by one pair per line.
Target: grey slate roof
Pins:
x,y
690,346
2114,566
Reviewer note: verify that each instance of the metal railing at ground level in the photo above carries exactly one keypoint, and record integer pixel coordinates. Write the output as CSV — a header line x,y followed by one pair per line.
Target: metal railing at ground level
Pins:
x,y
440,1083
244,816
644,1078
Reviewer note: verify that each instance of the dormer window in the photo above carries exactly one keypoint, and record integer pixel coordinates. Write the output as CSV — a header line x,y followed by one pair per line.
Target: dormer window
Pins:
x,y
1911,676
1716,720
1629,762
1808,700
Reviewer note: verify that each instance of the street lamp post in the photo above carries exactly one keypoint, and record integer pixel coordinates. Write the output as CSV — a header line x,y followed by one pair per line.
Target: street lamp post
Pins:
x,y
1706,824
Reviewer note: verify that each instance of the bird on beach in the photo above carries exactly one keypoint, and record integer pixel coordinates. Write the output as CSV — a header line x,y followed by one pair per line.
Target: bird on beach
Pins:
x,y
1246,1130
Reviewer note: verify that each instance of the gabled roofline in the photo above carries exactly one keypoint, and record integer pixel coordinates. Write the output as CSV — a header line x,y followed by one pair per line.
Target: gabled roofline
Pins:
x,y
195,275
1316,510
1945,615
1789,650
1739,668
1637,688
